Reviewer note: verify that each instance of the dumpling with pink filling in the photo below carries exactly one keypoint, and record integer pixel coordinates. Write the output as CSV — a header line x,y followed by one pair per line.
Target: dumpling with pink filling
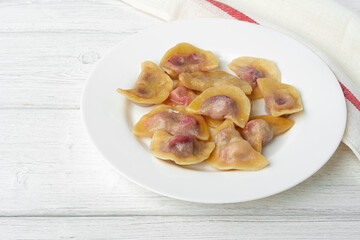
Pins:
x,y
233,152
250,69
258,133
280,99
200,81
175,120
224,102
184,57
152,86
260,130
182,149
180,96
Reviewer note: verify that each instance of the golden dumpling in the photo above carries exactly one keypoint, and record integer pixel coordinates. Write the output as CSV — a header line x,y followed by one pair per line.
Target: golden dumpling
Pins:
x,y
250,69
280,98
182,149
279,125
184,57
233,152
201,81
172,119
224,102
258,133
260,130
152,86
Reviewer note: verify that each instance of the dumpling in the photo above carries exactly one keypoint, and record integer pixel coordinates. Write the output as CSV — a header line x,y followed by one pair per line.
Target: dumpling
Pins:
x,y
184,57
224,102
280,99
213,123
180,96
172,119
279,125
260,130
233,152
201,81
182,149
258,133
152,86
250,69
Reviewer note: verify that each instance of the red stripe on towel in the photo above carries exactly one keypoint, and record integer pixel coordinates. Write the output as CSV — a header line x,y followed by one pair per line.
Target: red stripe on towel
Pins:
x,y
232,11
349,96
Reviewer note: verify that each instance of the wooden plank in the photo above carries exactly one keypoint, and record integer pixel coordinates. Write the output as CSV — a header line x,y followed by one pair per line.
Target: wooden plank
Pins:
x,y
49,167
48,48
150,227
66,16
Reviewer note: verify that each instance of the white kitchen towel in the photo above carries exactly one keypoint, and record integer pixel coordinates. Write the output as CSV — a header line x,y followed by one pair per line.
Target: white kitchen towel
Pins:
x,y
326,27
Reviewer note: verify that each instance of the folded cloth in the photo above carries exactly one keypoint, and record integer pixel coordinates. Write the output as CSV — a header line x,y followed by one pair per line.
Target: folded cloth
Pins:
x,y
329,29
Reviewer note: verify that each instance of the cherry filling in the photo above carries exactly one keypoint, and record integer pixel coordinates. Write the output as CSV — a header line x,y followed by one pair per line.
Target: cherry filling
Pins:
x,y
141,91
181,145
224,136
185,63
147,78
257,130
280,101
179,60
142,88
250,75
173,122
185,124
232,147
180,96
219,107
193,58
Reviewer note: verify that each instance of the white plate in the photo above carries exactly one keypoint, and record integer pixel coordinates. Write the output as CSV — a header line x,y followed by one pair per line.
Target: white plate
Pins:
x,y
293,157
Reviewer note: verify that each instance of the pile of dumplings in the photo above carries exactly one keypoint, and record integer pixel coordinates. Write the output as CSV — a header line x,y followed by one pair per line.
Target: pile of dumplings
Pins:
x,y
205,115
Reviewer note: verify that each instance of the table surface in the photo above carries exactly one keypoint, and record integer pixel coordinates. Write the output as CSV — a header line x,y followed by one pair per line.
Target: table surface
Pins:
x,y
55,184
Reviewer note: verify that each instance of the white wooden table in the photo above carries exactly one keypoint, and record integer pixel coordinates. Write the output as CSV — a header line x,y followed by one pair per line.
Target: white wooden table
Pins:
x,y
55,185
